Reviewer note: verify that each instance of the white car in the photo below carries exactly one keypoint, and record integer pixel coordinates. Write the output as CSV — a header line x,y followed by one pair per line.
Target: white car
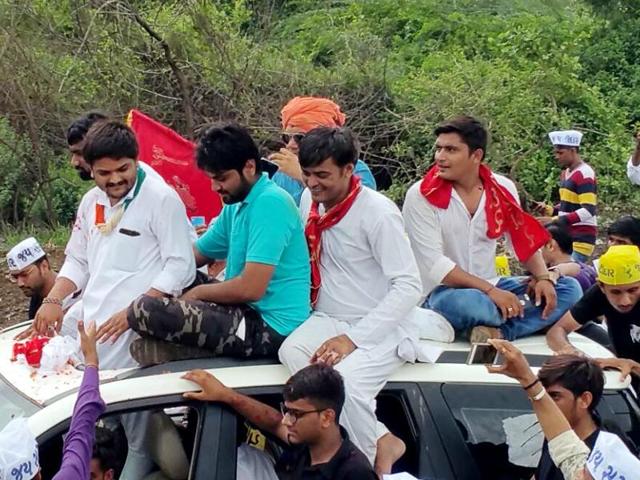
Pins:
x,y
458,421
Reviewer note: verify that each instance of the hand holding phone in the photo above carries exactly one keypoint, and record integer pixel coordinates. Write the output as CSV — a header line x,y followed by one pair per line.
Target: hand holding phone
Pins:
x,y
483,354
268,166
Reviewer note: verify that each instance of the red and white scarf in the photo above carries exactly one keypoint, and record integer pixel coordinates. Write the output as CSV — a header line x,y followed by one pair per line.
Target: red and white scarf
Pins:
x,y
504,215
316,224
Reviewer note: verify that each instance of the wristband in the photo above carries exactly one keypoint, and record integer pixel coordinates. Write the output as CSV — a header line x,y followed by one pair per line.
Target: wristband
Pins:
x,y
538,396
486,292
52,300
537,380
545,276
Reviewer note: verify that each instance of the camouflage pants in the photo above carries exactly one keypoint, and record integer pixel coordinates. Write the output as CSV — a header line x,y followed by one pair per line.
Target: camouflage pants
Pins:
x,y
218,328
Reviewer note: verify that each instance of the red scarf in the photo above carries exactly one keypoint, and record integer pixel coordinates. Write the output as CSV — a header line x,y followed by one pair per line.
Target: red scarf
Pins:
x,y
316,224
504,215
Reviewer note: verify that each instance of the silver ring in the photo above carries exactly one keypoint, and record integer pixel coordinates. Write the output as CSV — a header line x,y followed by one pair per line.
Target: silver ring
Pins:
x,y
510,309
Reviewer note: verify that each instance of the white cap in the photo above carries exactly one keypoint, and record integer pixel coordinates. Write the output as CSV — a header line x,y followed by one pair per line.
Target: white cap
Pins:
x,y
567,138
612,456
18,451
24,254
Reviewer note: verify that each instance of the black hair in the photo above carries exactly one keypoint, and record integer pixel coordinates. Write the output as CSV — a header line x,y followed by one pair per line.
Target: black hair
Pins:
x,y
109,139
324,142
575,373
562,236
320,385
81,125
628,227
226,147
108,451
471,130
43,259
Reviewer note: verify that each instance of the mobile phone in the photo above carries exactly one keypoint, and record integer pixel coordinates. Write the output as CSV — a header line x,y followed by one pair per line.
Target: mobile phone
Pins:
x,y
483,354
268,166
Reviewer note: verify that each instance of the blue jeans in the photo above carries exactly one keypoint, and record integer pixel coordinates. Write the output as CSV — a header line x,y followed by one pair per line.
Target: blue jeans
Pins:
x,y
466,308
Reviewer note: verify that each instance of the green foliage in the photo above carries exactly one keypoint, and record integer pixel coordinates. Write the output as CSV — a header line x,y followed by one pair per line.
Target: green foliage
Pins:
x,y
397,68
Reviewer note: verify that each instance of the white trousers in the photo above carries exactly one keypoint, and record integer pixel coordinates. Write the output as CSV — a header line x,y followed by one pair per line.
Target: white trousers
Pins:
x,y
365,373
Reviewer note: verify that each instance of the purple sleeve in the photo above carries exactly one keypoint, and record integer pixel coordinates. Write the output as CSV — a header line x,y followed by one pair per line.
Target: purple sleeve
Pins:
x,y
587,276
78,445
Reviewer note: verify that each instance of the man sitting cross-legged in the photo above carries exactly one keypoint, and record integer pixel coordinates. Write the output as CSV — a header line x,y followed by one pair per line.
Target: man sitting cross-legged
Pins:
x,y
259,233
365,283
307,422
454,217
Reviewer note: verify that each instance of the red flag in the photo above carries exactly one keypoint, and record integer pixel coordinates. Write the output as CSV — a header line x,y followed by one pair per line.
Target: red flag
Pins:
x,y
173,157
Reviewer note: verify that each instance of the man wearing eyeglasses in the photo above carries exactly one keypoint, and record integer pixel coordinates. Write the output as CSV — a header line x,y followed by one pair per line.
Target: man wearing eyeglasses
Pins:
x,y
307,423
30,270
299,116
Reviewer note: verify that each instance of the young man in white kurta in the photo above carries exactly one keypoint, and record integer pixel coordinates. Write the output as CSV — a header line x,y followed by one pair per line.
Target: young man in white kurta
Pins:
x,y
114,269
369,286
456,255
150,248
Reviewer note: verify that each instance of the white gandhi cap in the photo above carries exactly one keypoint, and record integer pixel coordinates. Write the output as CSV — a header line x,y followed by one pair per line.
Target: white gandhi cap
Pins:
x,y
18,451
24,254
567,138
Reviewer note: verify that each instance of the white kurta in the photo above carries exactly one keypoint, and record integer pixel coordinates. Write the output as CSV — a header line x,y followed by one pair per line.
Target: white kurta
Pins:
x,y
370,286
443,238
155,251
633,172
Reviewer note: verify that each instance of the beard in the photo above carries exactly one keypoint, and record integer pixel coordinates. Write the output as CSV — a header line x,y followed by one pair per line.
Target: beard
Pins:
x,y
239,195
83,174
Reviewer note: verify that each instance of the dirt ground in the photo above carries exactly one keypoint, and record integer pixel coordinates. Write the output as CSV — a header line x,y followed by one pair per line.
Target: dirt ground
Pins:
x,y
13,304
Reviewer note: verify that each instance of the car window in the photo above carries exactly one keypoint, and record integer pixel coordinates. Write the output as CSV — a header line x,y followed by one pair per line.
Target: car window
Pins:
x,y
156,442
503,434
498,427
13,404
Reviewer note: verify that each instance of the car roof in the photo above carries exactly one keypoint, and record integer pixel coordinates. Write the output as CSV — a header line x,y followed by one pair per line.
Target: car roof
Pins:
x,y
56,392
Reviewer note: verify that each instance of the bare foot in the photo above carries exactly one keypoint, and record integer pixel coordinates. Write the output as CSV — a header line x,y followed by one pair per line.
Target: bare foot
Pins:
x,y
389,449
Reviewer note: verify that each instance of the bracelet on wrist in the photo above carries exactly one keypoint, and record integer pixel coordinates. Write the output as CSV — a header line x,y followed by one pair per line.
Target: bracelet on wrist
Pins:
x,y
488,290
52,300
538,396
94,365
545,276
537,380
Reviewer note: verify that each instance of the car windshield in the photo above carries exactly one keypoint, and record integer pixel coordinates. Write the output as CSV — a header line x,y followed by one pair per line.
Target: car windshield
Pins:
x,y
12,404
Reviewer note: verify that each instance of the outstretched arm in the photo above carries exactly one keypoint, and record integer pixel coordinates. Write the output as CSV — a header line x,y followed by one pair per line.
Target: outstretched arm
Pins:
x,y
259,414
78,445
557,336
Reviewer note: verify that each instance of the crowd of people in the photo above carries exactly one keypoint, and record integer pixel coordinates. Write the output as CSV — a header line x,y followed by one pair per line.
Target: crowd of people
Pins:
x,y
331,277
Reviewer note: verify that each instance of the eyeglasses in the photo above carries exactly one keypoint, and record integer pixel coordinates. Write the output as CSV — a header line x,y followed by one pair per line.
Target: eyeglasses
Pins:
x,y
297,137
295,415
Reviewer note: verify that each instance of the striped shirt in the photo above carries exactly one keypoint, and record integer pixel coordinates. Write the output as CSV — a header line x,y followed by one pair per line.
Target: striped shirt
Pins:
x,y
577,206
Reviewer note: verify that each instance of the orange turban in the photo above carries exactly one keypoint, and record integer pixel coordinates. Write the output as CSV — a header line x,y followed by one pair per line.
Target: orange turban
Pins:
x,y
307,113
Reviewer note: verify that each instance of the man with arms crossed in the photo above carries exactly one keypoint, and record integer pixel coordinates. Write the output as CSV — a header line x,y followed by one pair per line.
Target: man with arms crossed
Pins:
x,y
364,286
454,217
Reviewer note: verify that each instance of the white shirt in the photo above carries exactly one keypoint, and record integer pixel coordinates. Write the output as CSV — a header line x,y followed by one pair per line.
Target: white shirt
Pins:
x,y
444,238
633,172
150,171
114,269
369,274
